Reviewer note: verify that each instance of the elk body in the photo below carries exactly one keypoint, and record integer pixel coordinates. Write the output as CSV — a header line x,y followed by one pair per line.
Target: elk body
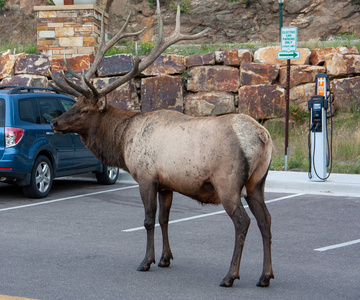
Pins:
x,y
210,159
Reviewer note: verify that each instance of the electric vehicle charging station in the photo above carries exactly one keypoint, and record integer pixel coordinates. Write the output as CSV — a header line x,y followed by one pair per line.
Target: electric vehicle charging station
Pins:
x,y
320,149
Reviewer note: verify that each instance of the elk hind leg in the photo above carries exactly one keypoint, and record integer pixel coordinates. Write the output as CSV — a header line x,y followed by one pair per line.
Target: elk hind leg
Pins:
x,y
148,196
241,220
256,200
165,201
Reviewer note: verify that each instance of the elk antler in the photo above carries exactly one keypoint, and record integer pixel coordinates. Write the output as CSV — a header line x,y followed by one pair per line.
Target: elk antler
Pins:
x,y
89,91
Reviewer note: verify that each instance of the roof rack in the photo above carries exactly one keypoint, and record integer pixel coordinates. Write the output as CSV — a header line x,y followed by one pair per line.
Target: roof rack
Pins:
x,y
2,87
13,89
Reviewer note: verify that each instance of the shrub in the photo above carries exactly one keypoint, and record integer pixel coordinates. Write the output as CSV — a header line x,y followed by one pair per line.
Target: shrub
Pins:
x,y
2,5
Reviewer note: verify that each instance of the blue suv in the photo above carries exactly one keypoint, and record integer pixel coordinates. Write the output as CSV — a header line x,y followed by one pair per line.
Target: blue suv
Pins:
x,y
31,155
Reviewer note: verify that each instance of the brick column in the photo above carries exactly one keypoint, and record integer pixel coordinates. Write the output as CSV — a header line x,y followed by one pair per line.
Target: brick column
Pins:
x,y
68,29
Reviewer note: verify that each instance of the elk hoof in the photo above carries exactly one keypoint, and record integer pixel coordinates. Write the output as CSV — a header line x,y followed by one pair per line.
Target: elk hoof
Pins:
x,y
264,280
228,283
145,267
165,262
223,284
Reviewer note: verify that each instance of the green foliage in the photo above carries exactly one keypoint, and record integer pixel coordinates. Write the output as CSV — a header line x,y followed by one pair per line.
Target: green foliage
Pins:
x,y
189,49
151,3
144,48
172,4
2,5
249,45
298,114
275,129
345,145
184,6
356,112
277,163
338,40
246,1
29,49
185,74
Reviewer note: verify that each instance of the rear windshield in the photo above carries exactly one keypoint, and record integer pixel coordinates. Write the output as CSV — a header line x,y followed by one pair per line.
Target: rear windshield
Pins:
x,y
2,112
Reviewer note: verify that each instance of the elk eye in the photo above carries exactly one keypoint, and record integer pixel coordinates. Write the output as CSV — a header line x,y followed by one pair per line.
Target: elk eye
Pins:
x,y
84,111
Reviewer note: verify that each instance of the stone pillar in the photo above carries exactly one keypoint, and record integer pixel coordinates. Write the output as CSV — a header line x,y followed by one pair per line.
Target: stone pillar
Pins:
x,y
68,29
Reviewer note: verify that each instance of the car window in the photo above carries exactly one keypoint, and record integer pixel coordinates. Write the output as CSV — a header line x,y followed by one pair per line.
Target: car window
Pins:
x,y
29,110
2,112
49,109
67,103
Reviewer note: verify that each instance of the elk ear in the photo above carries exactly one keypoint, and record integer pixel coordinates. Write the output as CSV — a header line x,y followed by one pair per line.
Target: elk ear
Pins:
x,y
102,104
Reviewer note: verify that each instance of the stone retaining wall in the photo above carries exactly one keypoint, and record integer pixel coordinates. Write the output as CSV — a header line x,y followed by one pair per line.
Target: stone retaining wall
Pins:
x,y
206,84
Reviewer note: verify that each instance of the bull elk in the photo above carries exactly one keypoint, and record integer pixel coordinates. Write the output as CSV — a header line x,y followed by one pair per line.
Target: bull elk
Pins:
x,y
210,159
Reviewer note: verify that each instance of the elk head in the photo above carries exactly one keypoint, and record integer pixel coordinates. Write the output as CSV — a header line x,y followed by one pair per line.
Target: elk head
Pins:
x,y
92,101
79,117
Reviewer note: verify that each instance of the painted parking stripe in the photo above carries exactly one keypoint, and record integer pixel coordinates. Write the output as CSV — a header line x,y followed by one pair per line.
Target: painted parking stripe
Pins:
x,y
350,243
68,198
210,214
5,297
178,220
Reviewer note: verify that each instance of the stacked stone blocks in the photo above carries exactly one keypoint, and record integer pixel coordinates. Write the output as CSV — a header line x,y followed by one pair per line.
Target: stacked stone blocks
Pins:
x,y
68,29
230,81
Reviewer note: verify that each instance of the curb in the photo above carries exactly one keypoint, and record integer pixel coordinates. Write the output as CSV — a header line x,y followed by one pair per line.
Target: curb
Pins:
x,y
299,182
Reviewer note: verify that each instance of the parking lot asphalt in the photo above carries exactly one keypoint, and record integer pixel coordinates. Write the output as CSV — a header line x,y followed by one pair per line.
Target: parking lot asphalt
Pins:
x,y
85,242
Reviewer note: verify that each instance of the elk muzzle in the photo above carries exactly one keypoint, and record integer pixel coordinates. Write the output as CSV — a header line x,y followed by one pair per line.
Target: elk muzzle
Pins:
x,y
55,127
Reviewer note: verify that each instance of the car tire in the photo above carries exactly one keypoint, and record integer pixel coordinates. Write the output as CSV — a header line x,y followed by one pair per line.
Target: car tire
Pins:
x,y
109,175
41,179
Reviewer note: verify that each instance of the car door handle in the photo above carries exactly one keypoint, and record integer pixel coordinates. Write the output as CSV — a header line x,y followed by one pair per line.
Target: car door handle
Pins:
x,y
50,133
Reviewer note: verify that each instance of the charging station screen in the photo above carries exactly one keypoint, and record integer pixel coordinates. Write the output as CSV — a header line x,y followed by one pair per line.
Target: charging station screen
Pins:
x,y
317,106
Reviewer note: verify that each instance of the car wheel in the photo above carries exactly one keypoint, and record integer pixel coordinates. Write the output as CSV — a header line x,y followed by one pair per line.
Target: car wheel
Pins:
x,y
41,179
109,175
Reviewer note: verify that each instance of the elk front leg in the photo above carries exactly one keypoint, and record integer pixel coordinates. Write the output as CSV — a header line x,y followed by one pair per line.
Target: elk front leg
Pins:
x,y
241,221
165,201
256,201
148,196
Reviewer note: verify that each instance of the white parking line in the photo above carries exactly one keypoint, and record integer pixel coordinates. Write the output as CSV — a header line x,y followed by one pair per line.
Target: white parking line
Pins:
x,y
5,297
178,220
338,245
210,214
67,198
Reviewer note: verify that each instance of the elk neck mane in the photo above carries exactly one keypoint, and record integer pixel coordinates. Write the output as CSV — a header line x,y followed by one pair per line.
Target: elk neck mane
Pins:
x,y
105,136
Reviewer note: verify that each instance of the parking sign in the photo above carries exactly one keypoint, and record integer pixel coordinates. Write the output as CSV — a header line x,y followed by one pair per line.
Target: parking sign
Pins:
x,y
288,44
288,39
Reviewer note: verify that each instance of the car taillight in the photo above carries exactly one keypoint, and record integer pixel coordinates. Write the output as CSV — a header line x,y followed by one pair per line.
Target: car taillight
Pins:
x,y
13,136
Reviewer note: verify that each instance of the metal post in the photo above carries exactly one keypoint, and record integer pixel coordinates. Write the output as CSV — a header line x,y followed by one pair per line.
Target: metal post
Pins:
x,y
280,18
287,97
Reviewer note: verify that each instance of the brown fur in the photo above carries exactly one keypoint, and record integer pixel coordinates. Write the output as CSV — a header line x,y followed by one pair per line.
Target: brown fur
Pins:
x,y
209,159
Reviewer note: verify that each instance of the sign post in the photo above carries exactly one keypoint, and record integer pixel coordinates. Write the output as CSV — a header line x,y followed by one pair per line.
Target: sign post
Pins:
x,y
288,51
